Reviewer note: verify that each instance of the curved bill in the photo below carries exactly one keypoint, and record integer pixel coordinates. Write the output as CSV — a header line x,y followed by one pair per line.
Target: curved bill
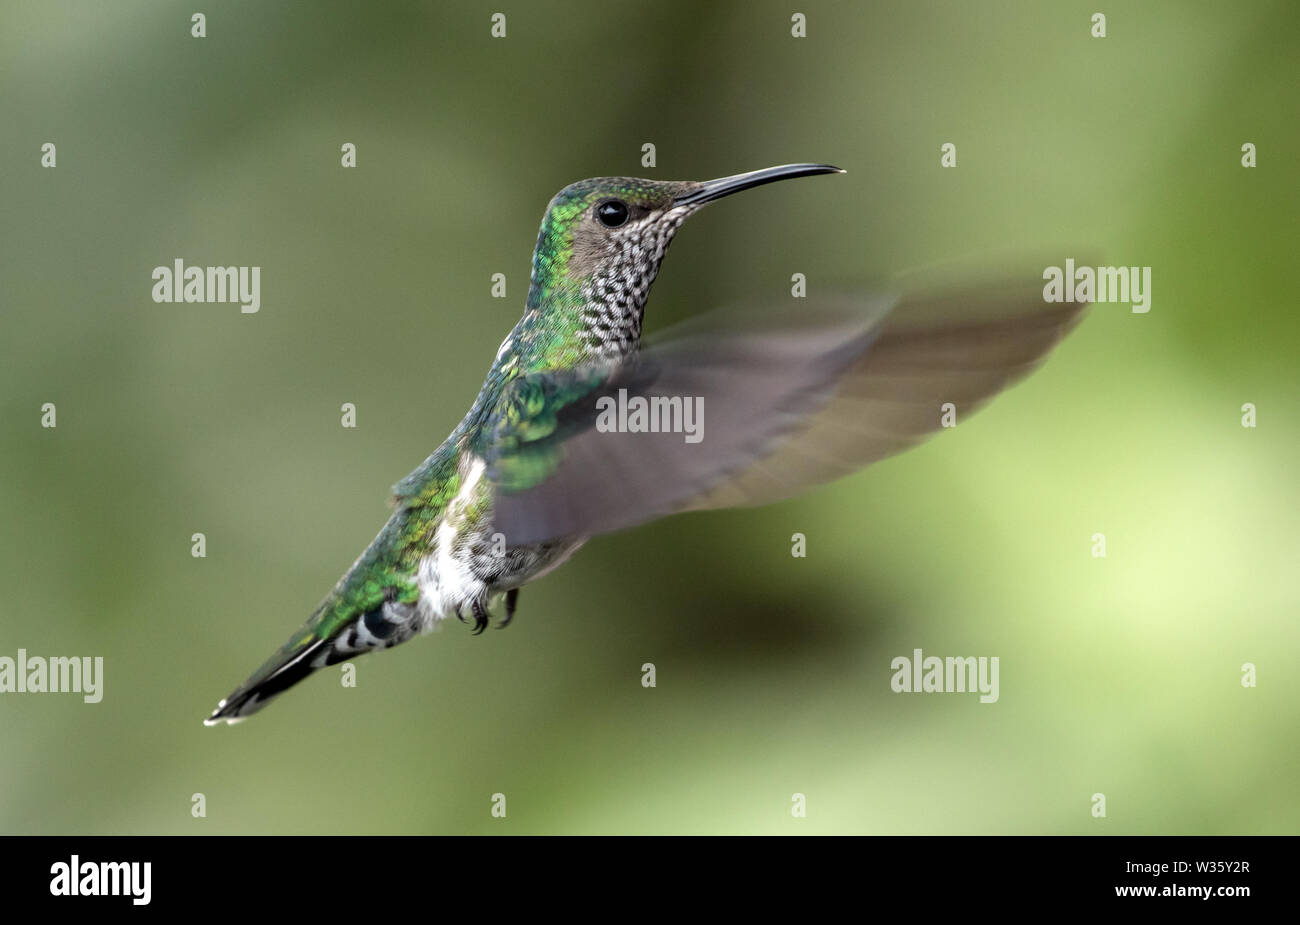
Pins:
x,y
710,190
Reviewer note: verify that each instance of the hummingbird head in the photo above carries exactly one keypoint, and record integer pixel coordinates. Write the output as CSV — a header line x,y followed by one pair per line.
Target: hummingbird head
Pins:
x,y
602,240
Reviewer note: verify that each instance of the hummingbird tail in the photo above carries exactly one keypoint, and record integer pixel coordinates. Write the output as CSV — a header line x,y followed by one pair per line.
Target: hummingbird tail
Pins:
x,y
318,646
285,669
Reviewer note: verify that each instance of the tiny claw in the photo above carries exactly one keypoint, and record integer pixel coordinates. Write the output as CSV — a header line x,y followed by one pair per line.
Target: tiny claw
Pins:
x,y
512,598
480,618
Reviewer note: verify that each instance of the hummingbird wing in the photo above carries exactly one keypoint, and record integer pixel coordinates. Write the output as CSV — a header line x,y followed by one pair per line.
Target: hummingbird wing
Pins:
x,y
782,403
949,346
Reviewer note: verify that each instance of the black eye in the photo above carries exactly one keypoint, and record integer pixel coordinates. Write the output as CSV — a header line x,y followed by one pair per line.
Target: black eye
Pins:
x,y
612,213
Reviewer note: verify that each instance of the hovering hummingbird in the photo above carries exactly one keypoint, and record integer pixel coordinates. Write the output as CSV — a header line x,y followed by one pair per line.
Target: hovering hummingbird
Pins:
x,y
789,399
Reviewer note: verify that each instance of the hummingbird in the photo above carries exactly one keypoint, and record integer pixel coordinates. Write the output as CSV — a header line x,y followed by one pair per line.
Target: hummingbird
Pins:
x,y
558,446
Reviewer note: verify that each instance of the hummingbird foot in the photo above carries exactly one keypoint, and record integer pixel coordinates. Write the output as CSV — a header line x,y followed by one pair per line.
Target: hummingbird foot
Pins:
x,y
480,617
512,599
481,614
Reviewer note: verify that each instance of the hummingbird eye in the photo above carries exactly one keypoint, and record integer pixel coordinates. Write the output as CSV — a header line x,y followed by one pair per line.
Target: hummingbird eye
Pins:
x,y
612,213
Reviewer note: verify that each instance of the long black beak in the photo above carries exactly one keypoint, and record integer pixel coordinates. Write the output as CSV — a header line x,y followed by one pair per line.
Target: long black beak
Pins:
x,y
710,190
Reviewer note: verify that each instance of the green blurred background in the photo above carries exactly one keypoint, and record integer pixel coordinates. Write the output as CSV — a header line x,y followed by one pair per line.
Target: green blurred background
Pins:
x,y
1118,675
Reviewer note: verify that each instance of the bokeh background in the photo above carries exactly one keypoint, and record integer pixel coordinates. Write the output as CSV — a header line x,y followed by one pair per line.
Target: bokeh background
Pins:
x,y
1118,675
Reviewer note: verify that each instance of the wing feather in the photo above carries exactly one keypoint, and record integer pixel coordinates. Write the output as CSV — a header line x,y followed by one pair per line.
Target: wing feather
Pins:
x,y
790,401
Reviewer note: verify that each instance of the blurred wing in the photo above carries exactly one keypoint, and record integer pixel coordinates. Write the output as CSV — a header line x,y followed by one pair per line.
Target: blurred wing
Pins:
x,y
958,346
736,383
786,403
